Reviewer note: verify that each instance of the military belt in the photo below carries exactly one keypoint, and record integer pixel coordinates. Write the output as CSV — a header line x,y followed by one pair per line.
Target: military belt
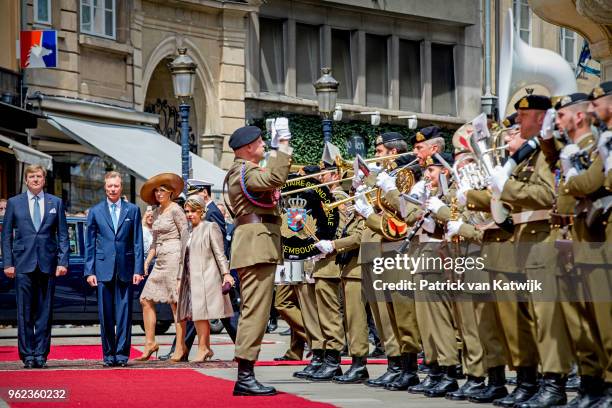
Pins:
x,y
530,216
257,219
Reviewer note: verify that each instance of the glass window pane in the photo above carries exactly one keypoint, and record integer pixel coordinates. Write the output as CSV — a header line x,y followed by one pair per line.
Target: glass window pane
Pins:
x,y
86,18
443,80
42,10
569,50
410,75
525,36
108,22
98,20
525,15
272,58
308,61
109,4
341,64
377,84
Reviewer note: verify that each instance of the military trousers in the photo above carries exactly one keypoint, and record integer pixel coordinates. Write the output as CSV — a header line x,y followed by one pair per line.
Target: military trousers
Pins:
x,y
599,281
329,312
402,312
286,303
472,351
308,305
256,287
355,318
490,333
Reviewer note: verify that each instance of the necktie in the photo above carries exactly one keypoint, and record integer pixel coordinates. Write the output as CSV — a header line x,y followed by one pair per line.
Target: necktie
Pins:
x,y
36,215
114,215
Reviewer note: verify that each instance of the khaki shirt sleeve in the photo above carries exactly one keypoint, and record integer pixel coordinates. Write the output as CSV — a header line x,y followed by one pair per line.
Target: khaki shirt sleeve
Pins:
x,y
479,200
587,182
443,214
470,232
270,177
374,222
551,150
352,241
535,193
393,199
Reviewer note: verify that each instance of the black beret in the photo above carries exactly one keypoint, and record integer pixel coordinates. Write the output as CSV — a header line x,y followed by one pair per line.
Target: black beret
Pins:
x,y
388,137
424,134
433,160
539,102
510,120
243,136
605,88
311,169
570,99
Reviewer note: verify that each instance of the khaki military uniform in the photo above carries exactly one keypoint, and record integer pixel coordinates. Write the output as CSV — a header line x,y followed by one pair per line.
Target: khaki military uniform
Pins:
x,y
256,264
354,307
307,299
287,305
530,193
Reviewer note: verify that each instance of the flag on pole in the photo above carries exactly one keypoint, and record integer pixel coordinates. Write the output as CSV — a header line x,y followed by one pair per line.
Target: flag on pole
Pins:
x,y
38,49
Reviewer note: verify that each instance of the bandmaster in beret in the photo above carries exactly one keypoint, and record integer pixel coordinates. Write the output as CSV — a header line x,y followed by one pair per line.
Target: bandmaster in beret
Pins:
x,y
388,137
424,134
605,88
243,136
433,160
539,102
510,120
570,99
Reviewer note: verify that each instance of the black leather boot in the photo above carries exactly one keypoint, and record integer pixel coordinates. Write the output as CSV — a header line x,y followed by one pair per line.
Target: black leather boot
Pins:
x,y
330,368
472,386
357,374
315,363
433,378
527,386
550,394
247,384
573,380
495,389
606,400
394,370
590,392
447,384
408,377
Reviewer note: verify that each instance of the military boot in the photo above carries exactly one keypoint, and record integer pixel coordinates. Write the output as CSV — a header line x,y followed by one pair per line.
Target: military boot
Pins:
x,y
472,386
606,400
394,370
573,380
315,363
409,376
330,368
589,393
433,378
358,372
247,384
447,384
550,394
495,389
527,386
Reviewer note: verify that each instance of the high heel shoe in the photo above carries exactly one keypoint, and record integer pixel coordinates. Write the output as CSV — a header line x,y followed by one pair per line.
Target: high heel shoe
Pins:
x,y
147,353
182,358
208,356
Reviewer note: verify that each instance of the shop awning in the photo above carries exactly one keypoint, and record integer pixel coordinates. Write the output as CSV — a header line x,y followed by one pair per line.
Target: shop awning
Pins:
x,y
142,150
28,155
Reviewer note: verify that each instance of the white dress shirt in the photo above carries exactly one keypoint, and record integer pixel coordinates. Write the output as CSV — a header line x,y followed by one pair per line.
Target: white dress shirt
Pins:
x,y
41,203
109,203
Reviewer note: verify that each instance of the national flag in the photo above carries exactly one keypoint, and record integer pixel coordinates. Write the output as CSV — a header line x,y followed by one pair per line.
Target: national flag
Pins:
x,y
38,49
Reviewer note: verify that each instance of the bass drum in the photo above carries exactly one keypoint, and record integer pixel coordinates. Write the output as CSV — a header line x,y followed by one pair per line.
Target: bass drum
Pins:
x,y
304,220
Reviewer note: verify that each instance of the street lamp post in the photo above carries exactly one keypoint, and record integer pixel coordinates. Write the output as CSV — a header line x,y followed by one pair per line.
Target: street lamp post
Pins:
x,y
326,89
183,79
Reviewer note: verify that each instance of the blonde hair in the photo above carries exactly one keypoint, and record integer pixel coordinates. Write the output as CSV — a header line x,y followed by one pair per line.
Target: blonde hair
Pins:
x,y
195,202
112,174
35,168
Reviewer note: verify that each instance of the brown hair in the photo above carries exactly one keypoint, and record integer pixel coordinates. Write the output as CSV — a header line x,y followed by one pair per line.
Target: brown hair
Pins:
x,y
112,174
35,168
167,189
195,202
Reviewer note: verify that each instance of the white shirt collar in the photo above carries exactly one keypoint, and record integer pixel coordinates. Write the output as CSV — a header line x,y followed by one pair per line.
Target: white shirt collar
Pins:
x,y
109,203
40,195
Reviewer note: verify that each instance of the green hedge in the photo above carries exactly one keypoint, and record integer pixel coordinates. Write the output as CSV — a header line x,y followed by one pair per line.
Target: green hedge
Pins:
x,y
307,135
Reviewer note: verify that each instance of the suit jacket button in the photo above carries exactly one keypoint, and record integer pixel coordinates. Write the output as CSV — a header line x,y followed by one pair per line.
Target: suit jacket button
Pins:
x,y
533,231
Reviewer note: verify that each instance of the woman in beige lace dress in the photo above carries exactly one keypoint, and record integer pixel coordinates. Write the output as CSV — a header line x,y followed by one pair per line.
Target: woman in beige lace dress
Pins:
x,y
170,236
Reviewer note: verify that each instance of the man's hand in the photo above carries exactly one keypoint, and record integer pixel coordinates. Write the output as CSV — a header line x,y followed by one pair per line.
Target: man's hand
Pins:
x,y
434,204
10,272
499,177
566,158
325,246
61,271
385,182
362,206
136,279
92,280
280,132
418,190
452,229
462,195
548,125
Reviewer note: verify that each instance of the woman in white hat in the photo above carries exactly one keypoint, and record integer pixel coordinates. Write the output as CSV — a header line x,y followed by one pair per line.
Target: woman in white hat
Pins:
x,y
170,234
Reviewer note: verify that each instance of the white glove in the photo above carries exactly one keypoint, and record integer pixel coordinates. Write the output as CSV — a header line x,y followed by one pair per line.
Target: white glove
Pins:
x,y
358,179
548,125
418,190
362,206
429,225
570,173
273,136
498,180
462,195
608,164
374,167
602,146
566,153
434,204
325,246
452,229
385,182
282,128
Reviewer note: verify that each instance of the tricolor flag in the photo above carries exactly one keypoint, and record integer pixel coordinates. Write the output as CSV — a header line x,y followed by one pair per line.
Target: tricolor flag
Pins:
x,y
38,49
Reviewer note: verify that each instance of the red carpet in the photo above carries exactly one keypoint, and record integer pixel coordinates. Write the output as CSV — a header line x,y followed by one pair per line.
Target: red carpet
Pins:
x,y
140,388
10,353
345,361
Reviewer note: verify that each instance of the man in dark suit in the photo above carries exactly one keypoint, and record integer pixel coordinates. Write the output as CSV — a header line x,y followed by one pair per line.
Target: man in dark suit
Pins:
x,y
114,263
213,214
36,250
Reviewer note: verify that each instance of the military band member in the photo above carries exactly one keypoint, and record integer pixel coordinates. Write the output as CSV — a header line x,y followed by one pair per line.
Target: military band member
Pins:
x,y
529,190
256,246
287,305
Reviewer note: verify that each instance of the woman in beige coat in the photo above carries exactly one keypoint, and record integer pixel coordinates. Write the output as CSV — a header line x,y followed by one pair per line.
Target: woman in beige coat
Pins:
x,y
205,271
